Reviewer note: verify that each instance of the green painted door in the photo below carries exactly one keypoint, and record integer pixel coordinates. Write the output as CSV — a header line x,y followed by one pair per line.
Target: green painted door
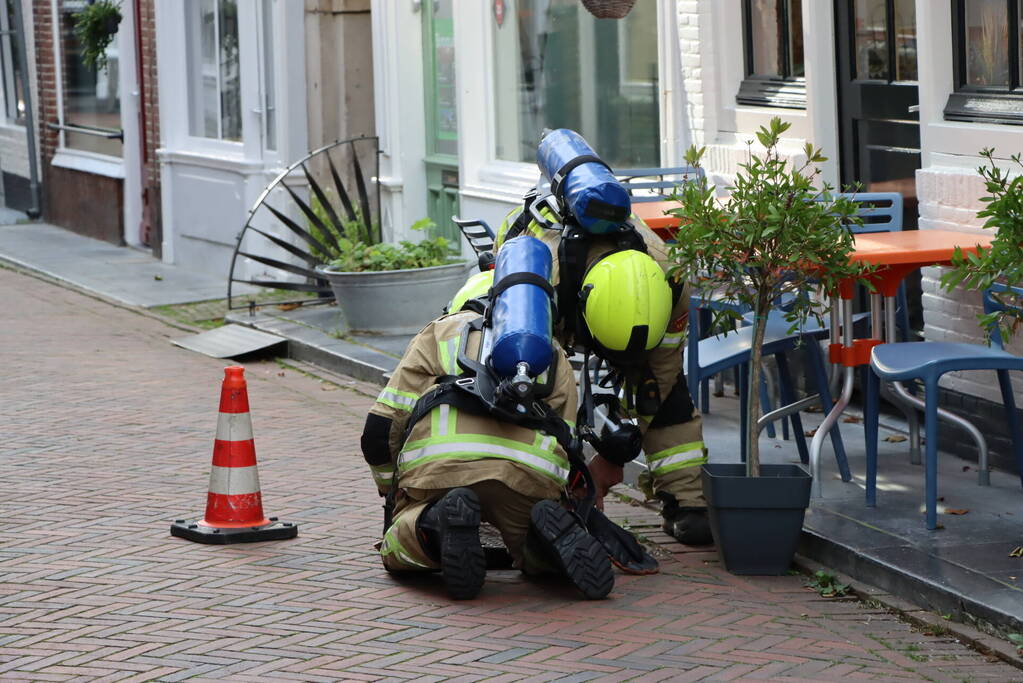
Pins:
x,y
441,118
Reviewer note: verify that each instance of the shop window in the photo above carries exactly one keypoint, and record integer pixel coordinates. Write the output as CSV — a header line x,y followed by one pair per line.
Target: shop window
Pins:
x,y
987,37
10,67
773,52
92,97
557,66
214,82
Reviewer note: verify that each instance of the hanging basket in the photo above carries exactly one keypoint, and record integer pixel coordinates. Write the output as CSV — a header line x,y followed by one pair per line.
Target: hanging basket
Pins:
x,y
608,9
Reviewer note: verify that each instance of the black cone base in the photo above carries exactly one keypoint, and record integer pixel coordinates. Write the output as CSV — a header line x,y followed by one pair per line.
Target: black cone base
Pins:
x,y
193,531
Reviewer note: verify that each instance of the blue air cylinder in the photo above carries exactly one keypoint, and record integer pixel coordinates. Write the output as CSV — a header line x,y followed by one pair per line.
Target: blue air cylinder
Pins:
x,y
522,313
589,190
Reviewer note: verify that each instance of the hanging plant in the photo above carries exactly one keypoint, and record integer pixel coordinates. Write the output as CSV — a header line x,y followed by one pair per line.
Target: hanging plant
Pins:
x,y
95,28
608,9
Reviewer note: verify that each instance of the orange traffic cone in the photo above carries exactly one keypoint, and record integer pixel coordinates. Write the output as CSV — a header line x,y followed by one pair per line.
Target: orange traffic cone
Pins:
x,y
234,505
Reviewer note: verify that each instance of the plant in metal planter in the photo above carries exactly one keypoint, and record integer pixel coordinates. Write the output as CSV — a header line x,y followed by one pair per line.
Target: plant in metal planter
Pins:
x,y
315,231
1002,262
392,288
95,27
776,233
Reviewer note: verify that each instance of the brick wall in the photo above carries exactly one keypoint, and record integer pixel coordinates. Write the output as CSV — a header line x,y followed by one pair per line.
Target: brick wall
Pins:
x,y
152,214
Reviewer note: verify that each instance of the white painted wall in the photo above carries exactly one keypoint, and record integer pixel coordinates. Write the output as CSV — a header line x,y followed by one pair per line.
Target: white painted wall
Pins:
x,y
950,190
209,185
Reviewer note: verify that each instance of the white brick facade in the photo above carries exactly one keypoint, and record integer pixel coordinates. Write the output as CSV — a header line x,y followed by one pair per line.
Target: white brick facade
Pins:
x,y
950,200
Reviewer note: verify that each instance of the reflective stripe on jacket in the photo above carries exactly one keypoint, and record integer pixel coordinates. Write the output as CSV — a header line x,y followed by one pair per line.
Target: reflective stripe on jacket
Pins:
x,y
437,446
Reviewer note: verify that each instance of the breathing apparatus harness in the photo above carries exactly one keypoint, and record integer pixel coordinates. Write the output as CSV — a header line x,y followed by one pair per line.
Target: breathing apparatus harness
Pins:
x,y
628,372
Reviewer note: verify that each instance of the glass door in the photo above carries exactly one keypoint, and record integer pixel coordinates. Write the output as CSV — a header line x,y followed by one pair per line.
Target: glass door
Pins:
x,y
441,116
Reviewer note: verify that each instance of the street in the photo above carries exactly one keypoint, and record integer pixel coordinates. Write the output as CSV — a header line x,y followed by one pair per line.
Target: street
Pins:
x,y
106,431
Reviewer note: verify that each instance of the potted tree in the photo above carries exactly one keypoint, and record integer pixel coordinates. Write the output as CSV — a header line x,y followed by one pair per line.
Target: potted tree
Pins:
x,y
387,288
779,231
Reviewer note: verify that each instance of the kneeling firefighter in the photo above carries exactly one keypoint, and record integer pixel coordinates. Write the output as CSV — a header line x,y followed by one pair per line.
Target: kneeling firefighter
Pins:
x,y
474,425
616,300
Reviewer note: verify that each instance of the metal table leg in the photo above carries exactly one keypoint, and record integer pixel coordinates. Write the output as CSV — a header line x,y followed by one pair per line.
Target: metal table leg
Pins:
x,y
909,404
840,405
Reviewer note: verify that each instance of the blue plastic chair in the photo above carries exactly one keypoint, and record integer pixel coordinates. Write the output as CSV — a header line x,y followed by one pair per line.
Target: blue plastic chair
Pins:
x,y
655,184
928,361
707,357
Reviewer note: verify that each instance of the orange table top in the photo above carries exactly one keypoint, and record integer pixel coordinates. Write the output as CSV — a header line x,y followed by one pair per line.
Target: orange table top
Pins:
x,y
900,253
916,247
652,213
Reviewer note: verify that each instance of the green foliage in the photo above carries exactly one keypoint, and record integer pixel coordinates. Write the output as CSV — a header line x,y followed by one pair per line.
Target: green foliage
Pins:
x,y
776,233
95,27
351,246
1002,262
826,584
354,230
358,256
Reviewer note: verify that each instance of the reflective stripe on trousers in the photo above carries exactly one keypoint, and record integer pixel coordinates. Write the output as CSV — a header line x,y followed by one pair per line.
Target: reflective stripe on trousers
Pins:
x,y
539,458
678,457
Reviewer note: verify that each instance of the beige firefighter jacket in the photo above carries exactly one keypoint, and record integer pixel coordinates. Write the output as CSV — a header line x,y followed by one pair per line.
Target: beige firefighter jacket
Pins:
x,y
528,461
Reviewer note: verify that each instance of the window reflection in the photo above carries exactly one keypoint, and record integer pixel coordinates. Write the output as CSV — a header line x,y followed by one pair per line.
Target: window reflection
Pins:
x,y
776,27
92,99
987,43
214,80
557,66
905,40
871,17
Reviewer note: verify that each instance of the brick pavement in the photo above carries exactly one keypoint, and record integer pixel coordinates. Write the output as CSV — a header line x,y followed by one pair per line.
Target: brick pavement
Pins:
x,y
105,437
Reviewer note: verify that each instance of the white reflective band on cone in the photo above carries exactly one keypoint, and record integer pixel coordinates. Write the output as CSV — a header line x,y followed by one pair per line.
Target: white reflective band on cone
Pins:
x,y
234,426
234,481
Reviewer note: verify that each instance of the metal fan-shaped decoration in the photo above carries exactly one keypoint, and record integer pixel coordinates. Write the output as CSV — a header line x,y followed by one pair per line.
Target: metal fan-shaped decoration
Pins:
x,y
300,218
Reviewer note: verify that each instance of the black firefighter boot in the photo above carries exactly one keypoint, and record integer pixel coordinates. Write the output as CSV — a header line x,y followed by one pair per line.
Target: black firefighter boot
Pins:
x,y
688,525
451,530
558,541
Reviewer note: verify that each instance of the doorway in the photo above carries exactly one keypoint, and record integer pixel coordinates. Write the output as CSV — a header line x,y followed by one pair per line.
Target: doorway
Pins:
x,y
878,101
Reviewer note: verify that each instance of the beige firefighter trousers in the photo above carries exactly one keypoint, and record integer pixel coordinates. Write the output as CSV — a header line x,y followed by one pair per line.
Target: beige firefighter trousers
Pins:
x,y
506,509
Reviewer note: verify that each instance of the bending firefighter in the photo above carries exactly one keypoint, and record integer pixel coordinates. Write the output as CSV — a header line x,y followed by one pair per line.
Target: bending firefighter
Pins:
x,y
615,300
455,439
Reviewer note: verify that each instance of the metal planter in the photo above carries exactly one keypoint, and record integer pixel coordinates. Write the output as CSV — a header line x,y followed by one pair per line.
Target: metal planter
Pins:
x,y
394,301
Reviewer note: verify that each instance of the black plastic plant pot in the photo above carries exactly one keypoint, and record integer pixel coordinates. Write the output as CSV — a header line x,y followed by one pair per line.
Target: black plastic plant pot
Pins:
x,y
756,520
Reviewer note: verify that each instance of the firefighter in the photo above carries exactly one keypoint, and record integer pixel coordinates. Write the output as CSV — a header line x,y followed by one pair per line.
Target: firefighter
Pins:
x,y
607,306
448,464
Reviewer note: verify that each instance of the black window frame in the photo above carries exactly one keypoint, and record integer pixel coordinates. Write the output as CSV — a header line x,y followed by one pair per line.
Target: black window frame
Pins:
x,y
785,91
985,104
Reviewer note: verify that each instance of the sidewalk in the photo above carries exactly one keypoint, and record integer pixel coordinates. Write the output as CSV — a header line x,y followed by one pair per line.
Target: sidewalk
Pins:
x,y
105,438
121,274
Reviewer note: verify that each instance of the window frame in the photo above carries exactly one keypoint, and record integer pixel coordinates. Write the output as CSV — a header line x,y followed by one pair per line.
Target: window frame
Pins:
x,y
786,91
8,56
985,104
75,158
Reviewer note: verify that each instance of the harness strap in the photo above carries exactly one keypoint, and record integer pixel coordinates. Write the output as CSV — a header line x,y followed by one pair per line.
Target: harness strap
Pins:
x,y
449,393
520,278
562,173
